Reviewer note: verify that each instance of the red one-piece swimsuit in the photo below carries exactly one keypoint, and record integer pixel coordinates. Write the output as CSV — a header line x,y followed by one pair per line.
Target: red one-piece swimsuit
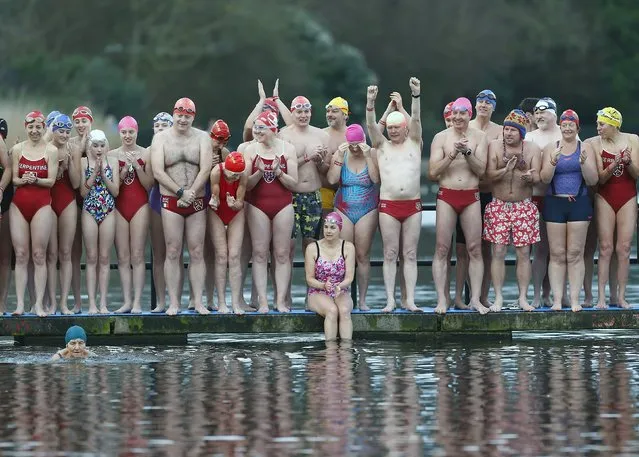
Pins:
x,y
223,210
621,187
133,195
31,197
269,195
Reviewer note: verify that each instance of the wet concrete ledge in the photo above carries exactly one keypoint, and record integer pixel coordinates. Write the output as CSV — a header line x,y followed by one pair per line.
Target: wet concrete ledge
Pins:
x,y
150,328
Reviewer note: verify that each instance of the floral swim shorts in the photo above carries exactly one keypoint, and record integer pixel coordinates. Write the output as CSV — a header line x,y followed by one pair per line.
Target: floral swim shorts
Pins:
x,y
515,223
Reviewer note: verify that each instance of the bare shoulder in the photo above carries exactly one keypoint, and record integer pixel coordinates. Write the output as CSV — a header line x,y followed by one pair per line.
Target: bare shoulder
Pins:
x,y
477,134
288,148
349,247
529,146
51,149
440,136
162,136
321,133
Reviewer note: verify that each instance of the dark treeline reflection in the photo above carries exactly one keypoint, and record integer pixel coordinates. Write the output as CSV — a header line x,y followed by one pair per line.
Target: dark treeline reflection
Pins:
x,y
366,399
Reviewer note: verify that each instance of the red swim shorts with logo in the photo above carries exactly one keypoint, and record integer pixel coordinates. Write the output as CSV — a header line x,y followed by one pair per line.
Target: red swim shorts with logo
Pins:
x,y
170,203
515,223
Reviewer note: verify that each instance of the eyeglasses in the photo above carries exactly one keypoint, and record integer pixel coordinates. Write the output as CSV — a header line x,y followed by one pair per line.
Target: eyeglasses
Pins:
x,y
181,109
301,106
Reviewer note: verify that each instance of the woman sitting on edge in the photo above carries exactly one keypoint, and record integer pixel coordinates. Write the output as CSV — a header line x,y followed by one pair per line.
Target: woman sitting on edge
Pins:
x,y
330,268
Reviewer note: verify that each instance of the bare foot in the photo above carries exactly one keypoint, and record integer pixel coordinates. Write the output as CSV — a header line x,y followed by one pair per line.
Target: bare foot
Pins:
x,y
390,307
77,309
547,303
576,308
237,309
137,309
124,309
525,306
486,303
173,310
158,309
201,309
363,307
66,311
479,308
556,307
39,311
413,308
263,309
191,304
536,303
496,307
601,304
623,303
441,309
283,309
587,302
19,311
223,309
104,309
461,305
93,310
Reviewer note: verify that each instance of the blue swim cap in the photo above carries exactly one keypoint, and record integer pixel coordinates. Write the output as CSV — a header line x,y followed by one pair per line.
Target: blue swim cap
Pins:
x,y
74,333
163,117
489,96
62,121
52,115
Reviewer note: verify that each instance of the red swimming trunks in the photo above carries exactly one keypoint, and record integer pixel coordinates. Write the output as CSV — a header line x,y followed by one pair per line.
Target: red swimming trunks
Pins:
x,y
223,211
133,195
31,197
170,203
400,209
516,220
62,193
459,200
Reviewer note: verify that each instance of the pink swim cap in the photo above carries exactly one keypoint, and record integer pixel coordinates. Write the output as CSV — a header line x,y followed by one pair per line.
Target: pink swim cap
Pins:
x,y
355,134
127,122
463,104
335,218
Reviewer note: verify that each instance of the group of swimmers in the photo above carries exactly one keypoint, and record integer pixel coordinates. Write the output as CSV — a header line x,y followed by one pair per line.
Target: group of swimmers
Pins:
x,y
229,208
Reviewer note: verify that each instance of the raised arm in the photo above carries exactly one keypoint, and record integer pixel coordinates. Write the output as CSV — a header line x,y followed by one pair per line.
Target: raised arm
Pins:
x,y
247,134
287,117
415,125
377,139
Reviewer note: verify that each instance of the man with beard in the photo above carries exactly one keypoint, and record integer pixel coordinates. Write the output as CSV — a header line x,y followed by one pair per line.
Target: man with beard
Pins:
x,y
511,217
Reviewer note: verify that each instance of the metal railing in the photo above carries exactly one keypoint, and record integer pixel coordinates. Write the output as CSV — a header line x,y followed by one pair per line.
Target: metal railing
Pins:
x,y
428,262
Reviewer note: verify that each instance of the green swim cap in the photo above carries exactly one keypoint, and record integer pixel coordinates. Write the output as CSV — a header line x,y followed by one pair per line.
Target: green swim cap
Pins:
x,y
74,333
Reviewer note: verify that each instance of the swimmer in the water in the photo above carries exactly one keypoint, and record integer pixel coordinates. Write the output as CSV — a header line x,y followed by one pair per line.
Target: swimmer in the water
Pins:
x,y
76,341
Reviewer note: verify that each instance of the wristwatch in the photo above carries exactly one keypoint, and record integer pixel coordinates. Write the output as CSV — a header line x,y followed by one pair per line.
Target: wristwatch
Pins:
x,y
180,192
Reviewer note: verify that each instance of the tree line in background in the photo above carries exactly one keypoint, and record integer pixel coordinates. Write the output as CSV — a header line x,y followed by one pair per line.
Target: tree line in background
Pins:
x,y
138,56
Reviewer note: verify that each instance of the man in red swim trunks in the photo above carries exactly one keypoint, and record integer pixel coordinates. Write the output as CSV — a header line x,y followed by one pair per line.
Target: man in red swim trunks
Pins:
x,y
512,217
457,162
181,157
400,208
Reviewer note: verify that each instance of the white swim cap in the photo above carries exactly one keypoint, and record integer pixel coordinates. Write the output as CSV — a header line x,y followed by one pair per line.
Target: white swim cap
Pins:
x,y
395,118
97,135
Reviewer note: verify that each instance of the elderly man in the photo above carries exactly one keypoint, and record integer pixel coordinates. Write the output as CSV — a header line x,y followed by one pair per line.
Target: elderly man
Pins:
x,y
511,217
457,162
399,162
181,157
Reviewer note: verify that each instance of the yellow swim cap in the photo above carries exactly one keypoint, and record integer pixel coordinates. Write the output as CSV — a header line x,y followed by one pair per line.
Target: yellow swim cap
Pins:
x,y
610,116
339,102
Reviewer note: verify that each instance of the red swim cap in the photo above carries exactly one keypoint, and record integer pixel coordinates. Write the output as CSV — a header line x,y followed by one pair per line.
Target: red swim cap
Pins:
x,y
300,102
34,116
185,106
271,103
269,118
220,130
235,162
82,112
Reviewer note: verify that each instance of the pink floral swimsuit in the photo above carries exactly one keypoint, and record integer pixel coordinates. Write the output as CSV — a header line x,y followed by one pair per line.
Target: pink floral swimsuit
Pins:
x,y
333,270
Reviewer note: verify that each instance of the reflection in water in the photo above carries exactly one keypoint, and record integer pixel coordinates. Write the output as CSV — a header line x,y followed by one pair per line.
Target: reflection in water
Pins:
x,y
532,399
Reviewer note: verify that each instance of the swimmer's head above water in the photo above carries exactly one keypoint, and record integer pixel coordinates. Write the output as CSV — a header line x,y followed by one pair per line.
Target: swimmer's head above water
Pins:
x,y
75,340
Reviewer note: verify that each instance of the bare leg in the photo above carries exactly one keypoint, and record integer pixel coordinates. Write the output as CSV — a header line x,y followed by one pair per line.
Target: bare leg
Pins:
x,y
174,236
245,258
411,229
260,226
445,221
6,251
210,261
67,224
90,236
325,307
498,267
158,247
106,237
76,257
40,226
485,282
52,267
471,224
589,262
282,227
21,236
612,276
218,238
540,262
139,228
626,225
577,234
344,305
523,276
390,229
235,235
123,249
461,275
605,232
557,267
195,231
